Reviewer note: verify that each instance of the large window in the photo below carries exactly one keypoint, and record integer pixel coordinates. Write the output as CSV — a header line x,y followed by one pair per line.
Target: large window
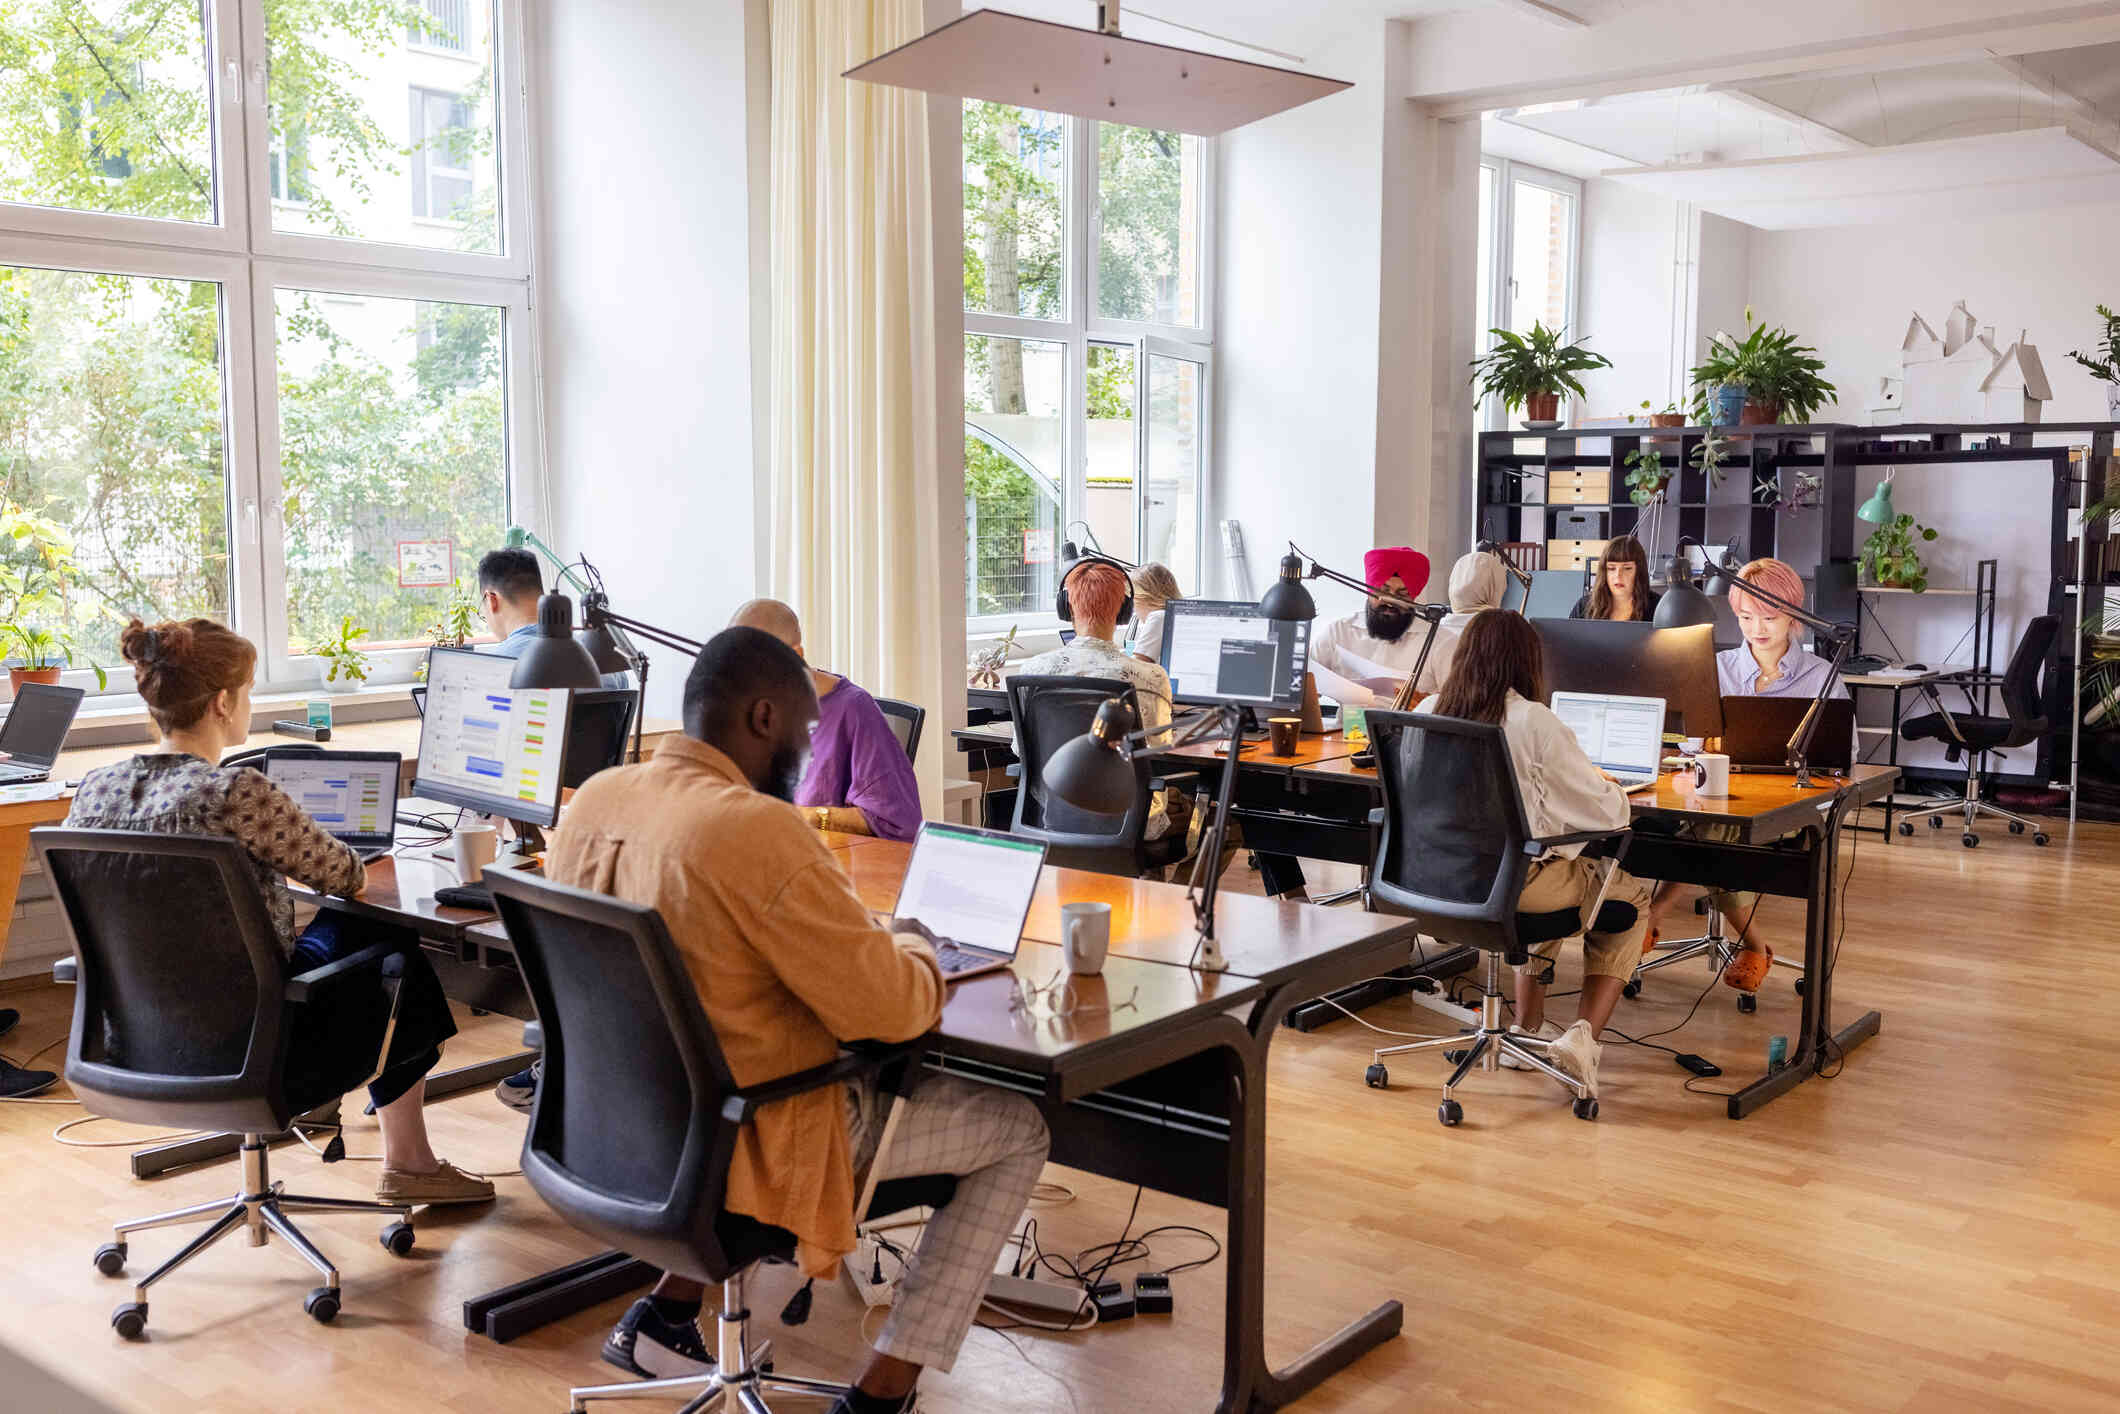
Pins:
x,y
1529,242
1088,351
263,320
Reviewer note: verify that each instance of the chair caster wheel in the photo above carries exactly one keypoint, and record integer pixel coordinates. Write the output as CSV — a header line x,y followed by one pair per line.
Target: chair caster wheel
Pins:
x,y
2016,827
397,1239
2039,838
130,1320
1631,990
1747,1003
1935,822
110,1258
1801,983
1451,1113
1585,1108
1377,1077
322,1305
1455,1057
1969,840
1906,827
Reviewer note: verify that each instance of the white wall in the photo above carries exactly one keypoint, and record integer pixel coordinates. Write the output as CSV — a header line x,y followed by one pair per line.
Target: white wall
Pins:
x,y
1849,290
1632,292
642,125
1296,322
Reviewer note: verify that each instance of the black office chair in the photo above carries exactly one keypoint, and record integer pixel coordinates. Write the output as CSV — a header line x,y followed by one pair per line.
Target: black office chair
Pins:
x,y
906,720
637,1119
1453,851
1048,713
182,1017
1974,735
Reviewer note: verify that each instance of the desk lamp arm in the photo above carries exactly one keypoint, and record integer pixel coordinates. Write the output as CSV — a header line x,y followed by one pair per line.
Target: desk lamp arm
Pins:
x,y
1226,722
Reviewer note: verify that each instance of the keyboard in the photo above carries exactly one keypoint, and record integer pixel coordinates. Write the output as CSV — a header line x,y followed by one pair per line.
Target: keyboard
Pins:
x,y
955,959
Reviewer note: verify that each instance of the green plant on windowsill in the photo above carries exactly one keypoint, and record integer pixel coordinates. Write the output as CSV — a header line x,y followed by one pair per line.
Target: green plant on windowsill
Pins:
x,y
459,621
1890,559
345,665
37,578
1646,477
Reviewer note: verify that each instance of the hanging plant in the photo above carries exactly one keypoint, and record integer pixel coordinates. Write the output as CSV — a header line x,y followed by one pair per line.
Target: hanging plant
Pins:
x,y
1889,556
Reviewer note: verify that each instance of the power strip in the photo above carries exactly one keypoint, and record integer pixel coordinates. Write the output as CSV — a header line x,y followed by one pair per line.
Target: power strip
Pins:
x,y
861,1267
1063,1302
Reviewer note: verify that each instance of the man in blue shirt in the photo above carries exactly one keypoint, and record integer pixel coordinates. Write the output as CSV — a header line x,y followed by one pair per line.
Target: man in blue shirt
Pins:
x,y
509,586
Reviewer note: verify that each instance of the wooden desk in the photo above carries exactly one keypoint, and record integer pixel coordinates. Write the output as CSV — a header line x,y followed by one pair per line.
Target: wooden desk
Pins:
x,y
1109,1083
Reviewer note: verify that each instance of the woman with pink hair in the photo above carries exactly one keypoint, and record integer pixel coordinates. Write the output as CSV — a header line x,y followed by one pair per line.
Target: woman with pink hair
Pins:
x,y
1771,662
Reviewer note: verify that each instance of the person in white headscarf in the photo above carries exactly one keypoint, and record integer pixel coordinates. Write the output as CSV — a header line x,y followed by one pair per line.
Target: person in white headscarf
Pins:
x,y
1477,581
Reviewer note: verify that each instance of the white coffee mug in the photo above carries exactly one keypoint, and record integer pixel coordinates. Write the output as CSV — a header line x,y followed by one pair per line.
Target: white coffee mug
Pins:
x,y
475,846
1711,773
1085,936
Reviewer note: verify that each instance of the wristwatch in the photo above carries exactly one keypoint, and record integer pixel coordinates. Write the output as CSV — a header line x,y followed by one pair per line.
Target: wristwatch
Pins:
x,y
824,817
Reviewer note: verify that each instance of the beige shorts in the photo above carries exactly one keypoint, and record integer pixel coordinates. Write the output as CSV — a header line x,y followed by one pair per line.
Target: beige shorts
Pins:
x,y
1557,883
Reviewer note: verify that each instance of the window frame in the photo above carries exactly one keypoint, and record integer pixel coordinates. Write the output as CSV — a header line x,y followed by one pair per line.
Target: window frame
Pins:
x,y
240,252
1079,326
1501,257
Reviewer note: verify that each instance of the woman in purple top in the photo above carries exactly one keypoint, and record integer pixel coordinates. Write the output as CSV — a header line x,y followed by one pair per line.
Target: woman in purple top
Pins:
x,y
860,781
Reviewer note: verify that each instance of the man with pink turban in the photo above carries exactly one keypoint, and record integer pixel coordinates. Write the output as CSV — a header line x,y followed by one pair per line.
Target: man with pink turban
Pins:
x,y
1359,661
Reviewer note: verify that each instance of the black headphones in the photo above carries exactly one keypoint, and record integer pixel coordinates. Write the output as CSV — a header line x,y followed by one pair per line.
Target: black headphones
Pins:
x,y
1066,611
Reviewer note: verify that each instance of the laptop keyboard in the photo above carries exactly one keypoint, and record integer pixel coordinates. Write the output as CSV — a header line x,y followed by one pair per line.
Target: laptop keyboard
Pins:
x,y
955,959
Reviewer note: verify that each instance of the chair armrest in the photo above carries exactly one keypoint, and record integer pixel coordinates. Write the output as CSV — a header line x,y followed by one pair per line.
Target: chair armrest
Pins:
x,y
305,986
1541,845
738,1107
1177,780
66,969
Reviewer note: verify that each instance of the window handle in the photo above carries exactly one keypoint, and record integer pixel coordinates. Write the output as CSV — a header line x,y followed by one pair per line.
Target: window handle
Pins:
x,y
232,90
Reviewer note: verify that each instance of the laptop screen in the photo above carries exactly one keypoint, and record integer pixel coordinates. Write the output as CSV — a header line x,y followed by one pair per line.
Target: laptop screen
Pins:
x,y
353,797
37,724
973,887
1619,734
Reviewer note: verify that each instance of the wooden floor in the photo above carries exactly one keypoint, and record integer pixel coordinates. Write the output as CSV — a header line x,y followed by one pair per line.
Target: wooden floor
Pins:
x,y
1936,1229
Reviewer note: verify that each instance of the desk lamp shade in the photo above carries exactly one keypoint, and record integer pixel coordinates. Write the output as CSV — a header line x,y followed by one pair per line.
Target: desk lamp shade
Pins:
x,y
1878,509
1288,600
553,658
1684,606
602,649
1091,772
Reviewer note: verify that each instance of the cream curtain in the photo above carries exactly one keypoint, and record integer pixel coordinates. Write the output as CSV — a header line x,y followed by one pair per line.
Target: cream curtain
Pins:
x,y
853,390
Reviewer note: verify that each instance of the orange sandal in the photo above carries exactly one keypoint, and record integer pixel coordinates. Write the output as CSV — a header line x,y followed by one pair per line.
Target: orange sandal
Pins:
x,y
1650,940
1748,969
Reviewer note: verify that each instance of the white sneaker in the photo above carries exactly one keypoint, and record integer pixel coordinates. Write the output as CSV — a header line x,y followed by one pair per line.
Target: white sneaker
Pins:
x,y
1576,1053
1547,1031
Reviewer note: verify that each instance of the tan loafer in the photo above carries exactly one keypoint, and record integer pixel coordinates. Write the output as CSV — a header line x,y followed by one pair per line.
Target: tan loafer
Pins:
x,y
447,1184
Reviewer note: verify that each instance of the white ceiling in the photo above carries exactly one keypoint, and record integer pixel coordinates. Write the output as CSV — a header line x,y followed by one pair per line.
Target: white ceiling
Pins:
x,y
1289,25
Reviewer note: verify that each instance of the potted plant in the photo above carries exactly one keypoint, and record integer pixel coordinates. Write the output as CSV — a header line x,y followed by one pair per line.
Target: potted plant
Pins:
x,y
1531,371
459,621
1889,557
1646,477
1780,378
342,665
1670,416
37,577
2104,361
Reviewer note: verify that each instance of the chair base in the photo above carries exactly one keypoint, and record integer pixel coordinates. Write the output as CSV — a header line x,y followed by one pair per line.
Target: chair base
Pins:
x,y
262,1210
740,1381
1487,1045
1713,945
1970,808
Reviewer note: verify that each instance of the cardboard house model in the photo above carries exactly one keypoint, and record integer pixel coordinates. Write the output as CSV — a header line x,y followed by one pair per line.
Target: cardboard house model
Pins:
x,y
1962,376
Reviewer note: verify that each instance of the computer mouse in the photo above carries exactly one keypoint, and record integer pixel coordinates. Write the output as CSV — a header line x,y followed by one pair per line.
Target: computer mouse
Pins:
x,y
1917,667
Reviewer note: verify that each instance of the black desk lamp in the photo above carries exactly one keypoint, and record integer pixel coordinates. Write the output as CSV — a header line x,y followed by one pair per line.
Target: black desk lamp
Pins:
x,y
553,658
1288,600
1721,576
1095,772
608,638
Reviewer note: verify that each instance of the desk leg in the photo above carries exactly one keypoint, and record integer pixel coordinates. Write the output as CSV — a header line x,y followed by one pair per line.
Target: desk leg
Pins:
x,y
1818,1043
1249,1385
14,850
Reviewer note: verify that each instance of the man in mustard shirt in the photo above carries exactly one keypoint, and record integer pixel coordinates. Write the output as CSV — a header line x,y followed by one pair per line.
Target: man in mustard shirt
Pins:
x,y
789,964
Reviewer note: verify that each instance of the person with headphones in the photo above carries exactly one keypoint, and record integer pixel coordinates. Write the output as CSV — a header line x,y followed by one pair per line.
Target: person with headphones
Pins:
x,y
1097,597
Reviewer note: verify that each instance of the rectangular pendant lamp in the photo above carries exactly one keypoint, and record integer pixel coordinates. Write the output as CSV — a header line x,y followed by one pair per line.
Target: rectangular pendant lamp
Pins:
x,y
1092,73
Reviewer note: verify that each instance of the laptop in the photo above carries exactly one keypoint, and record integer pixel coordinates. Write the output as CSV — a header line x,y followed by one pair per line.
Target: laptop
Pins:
x,y
1756,732
352,794
972,889
1623,736
35,731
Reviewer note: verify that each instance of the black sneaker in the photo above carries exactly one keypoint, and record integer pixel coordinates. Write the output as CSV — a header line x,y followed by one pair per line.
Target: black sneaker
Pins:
x,y
644,1344
19,1084
909,1405
8,1017
519,1091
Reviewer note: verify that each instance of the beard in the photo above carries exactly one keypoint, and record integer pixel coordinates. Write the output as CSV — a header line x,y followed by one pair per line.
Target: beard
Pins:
x,y
1388,622
784,773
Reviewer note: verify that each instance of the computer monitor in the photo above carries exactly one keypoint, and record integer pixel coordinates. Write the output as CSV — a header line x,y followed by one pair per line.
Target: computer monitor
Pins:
x,y
1551,595
600,727
1640,660
488,747
1225,650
